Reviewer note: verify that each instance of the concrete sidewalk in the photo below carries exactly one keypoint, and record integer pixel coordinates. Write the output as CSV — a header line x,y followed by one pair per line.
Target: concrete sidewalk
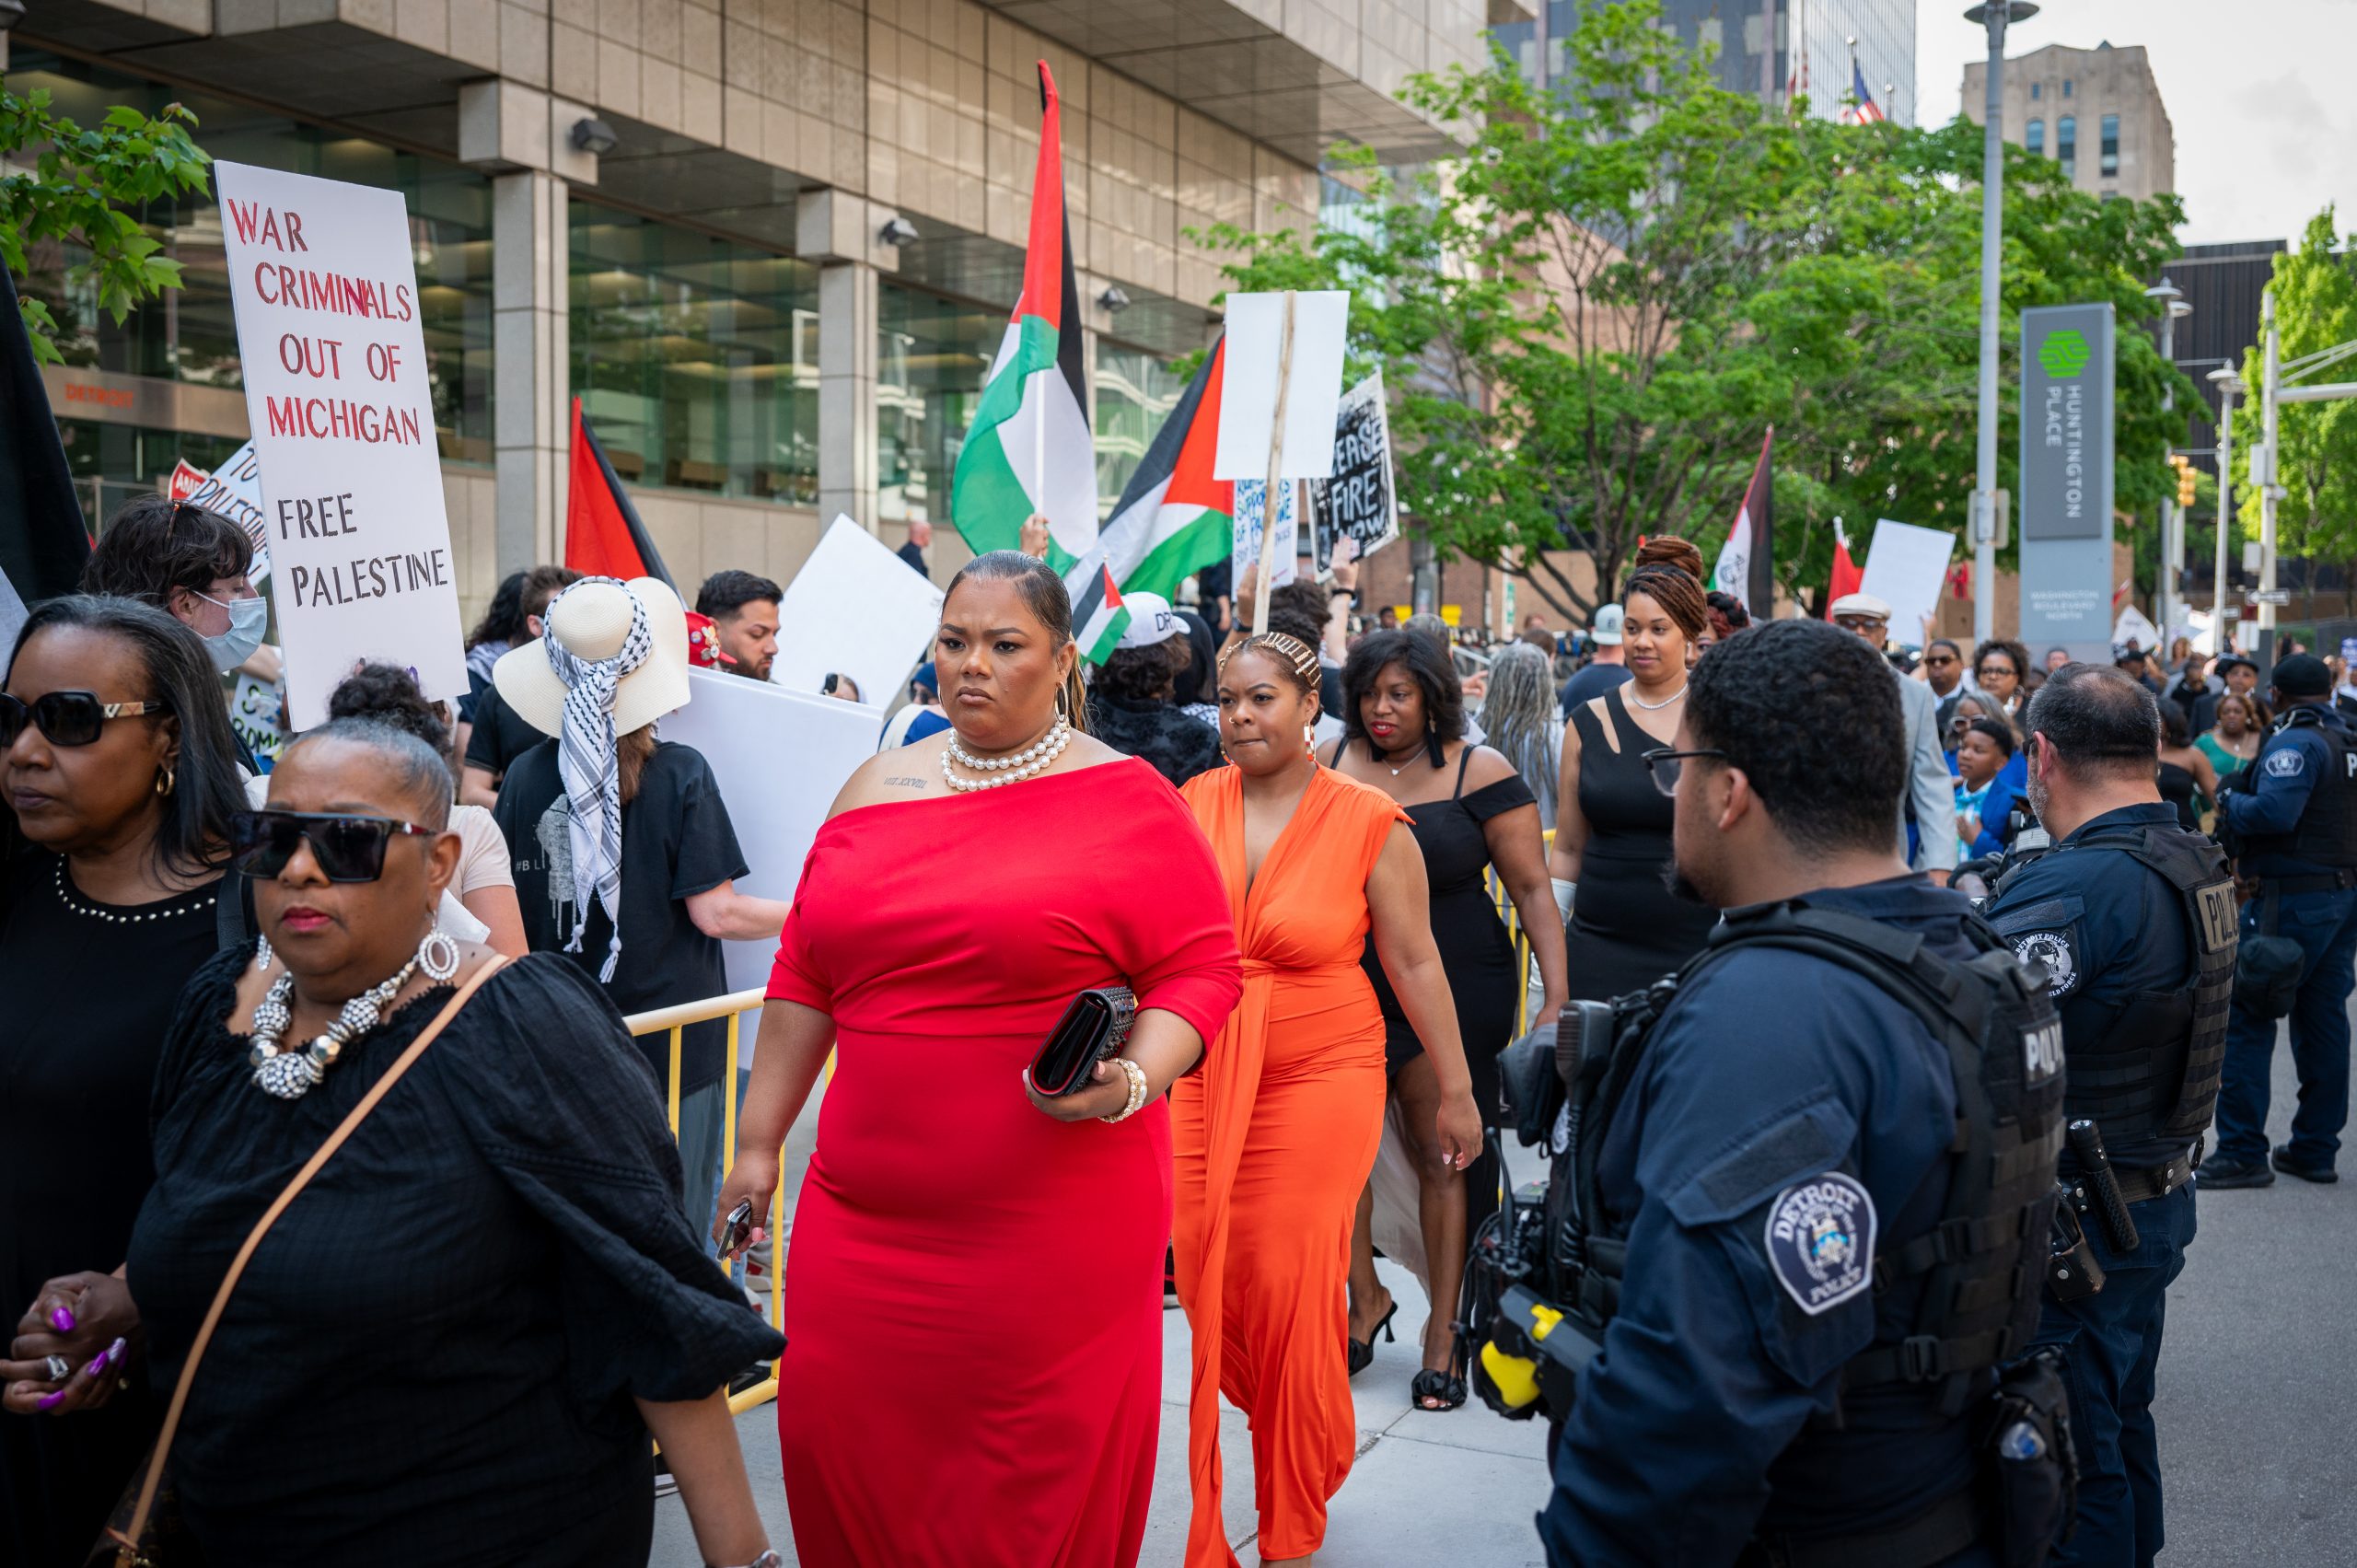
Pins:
x,y
2258,1412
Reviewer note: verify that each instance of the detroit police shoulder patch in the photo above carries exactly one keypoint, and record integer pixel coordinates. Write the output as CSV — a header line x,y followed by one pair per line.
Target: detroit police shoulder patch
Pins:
x,y
2051,948
1821,1241
2285,762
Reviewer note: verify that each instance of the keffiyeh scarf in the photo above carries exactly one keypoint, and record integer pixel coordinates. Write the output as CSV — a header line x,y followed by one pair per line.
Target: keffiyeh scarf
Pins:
x,y
592,779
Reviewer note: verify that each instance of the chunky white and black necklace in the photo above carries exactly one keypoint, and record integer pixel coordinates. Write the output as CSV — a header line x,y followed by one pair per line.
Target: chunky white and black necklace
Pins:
x,y
291,1075
1030,763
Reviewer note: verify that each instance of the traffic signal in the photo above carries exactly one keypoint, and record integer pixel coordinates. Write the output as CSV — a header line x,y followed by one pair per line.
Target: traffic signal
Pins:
x,y
2185,478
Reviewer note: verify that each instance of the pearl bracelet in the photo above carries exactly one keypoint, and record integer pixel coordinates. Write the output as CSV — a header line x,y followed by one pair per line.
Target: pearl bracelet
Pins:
x,y
1137,1089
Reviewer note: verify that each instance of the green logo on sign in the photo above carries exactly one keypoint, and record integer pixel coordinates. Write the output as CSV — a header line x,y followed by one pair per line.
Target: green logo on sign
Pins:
x,y
2064,353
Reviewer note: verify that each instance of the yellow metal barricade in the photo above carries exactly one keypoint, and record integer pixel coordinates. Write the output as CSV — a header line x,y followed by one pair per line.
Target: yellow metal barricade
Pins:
x,y
673,1022
1521,939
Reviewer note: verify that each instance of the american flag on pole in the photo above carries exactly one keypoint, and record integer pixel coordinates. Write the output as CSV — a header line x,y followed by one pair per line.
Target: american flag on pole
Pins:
x,y
1865,111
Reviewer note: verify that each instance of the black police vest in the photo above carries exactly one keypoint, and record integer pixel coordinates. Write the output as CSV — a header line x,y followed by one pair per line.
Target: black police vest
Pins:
x,y
2325,834
2149,1076
1983,1260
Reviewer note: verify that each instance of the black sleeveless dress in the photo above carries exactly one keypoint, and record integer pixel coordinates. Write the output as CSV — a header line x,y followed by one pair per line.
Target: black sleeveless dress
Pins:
x,y
1626,928
1474,949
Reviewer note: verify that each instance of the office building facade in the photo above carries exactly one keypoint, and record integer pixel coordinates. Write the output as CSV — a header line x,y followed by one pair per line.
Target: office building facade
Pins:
x,y
714,284
2095,111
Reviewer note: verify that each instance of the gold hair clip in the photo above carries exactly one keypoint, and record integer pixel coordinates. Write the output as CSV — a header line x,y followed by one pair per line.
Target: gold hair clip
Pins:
x,y
1292,649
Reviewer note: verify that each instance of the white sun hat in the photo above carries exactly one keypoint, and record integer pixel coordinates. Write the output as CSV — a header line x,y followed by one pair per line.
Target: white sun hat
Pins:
x,y
591,621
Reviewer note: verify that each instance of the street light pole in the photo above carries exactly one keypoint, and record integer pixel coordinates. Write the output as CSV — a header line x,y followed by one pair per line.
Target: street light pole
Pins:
x,y
2229,385
1993,17
2171,300
2269,400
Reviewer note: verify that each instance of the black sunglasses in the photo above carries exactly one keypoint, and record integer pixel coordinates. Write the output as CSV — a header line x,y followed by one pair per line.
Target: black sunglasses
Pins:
x,y
68,718
346,848
1666,765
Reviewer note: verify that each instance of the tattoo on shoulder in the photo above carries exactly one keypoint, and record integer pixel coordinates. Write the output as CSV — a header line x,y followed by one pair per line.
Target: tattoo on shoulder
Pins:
x,y
905,784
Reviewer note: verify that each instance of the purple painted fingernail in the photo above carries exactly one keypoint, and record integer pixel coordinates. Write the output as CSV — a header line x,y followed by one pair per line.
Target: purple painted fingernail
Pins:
x,y
105,1358
49,1401
62,1320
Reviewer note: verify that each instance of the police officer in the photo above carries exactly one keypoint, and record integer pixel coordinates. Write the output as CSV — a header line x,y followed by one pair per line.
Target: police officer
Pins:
x,y
2296,820
1822,1220
2133,918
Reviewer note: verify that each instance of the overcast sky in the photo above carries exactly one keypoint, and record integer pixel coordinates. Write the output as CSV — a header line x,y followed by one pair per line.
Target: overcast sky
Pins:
x,y
2257,89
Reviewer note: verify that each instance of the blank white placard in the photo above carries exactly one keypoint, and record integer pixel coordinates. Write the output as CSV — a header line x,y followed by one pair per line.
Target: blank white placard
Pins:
x,y
855,608
1906,567
1248,404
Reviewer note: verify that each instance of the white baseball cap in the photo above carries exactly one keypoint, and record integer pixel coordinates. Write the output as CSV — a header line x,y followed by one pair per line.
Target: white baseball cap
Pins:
x,y
1605,629
1152,620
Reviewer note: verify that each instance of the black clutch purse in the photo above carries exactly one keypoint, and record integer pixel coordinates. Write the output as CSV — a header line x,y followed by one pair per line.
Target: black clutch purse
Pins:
x,y
1092,1029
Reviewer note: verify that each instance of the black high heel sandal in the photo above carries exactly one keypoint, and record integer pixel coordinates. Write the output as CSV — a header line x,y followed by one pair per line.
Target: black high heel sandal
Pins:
x,y
1361,1353
1434,1384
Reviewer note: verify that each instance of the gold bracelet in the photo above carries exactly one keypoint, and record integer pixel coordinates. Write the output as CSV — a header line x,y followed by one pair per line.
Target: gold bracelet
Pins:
x,y
1138,1086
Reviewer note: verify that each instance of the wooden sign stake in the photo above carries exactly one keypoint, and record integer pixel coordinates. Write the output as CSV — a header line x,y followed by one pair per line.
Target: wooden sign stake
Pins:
x,y
1269,497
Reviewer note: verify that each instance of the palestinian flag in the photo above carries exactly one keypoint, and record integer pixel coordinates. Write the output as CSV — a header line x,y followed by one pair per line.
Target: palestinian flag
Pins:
x,y
1098,617
1173,518
603,537
1847,575
1744,568
1029,449
43,545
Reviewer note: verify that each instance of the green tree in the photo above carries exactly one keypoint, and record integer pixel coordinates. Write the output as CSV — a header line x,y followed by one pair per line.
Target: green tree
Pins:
x,y
1588,320
2316,308
82,187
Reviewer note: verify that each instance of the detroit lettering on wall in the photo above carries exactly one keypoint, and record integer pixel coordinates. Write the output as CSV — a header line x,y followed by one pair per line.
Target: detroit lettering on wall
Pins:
x,y
343,412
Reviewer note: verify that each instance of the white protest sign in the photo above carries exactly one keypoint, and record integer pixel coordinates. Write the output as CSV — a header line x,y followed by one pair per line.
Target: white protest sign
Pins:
x,y
253,715
1906,567
336,387
1250,504
2134,626
855,609
1312,384
1360,501
781,758
233,490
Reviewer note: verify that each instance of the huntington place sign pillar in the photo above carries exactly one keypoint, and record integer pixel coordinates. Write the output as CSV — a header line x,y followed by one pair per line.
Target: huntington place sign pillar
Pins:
x,y
2066,479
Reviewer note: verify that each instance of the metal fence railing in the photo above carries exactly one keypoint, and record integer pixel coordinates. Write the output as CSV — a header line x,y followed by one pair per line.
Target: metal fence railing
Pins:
x,y
673,1022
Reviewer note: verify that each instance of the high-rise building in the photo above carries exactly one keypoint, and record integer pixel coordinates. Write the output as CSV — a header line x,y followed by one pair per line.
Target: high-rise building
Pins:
x,y
1815,42
2095,111
677,211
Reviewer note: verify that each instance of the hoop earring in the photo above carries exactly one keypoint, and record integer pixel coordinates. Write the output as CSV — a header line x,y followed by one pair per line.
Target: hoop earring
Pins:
x,y
438,954
164,781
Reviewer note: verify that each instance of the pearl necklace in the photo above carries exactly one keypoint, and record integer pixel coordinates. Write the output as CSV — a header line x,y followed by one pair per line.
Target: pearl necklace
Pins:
x,y
1027,763
1656,707
66,898
291,1075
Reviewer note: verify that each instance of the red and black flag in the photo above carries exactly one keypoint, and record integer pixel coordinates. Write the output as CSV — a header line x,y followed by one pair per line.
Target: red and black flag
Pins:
x,y
603,537
43,543
1747,567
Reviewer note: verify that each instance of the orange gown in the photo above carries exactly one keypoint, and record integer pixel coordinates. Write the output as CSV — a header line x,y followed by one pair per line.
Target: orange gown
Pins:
x,y
1274,1139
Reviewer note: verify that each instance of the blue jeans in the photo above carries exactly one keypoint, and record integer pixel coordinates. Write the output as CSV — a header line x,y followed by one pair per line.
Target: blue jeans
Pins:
x,y
2325,926
2111,1347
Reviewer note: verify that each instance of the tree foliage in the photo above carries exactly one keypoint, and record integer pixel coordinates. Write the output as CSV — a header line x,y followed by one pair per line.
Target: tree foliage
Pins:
x,y
1588,319
81,187
2316,308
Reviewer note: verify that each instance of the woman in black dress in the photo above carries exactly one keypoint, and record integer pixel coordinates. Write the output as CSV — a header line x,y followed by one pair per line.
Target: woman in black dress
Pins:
x,y
1404,725
110,870
1627,929
452,1346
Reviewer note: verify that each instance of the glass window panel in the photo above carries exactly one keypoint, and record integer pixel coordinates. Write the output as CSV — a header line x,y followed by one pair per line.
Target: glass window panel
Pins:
x,y
2111,144
2066,143
931,357
2036,140
189,334
695,358
1135,392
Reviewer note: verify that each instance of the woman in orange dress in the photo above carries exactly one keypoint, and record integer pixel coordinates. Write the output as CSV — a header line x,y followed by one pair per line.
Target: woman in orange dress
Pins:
x,y
1275,1138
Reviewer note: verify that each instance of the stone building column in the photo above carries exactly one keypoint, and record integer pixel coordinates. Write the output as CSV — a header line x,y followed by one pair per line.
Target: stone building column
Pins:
x,y
841,234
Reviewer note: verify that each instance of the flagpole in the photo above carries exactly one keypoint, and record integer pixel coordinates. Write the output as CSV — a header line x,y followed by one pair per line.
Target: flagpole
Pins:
x,y
1269,496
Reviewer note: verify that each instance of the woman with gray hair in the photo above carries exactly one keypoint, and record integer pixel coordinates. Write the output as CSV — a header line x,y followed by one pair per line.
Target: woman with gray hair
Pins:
x,y
1521,718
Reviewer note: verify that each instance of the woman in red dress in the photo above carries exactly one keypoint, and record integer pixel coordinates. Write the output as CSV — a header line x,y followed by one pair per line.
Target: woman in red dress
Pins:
x,y
973,1302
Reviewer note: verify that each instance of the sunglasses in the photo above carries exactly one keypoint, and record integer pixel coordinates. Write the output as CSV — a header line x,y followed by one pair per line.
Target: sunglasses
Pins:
x,y
2008,671
1942,659
68,718
1667,766
345,848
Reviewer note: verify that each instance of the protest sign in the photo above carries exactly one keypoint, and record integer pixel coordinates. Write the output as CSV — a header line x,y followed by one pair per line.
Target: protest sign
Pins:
x,y
253,715
233,490
1310,383
2133,626
781,758
1251,504
334,356
1905,568
855,609
1359,501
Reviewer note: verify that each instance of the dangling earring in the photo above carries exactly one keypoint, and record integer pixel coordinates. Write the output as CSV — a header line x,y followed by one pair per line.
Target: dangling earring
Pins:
x,y
261,954
164,781
1309,740
438,954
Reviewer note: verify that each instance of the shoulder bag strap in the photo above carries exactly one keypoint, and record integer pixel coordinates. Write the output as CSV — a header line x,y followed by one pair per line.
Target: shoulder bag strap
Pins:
x,y
335,1141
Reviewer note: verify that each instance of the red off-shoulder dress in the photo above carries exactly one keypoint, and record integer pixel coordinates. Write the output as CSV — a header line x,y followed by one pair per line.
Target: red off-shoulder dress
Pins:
x,y
973,1303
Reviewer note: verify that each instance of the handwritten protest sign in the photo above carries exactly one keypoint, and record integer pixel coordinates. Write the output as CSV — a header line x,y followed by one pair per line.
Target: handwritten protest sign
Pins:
x,y
333,355
1251,502
233,490
1359,501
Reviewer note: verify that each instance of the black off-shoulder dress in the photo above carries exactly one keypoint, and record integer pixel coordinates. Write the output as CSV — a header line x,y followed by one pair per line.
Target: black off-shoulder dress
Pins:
x,y
433,1357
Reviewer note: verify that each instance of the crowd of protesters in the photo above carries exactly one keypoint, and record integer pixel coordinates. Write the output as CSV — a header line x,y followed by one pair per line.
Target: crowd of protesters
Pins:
x,y
509,1262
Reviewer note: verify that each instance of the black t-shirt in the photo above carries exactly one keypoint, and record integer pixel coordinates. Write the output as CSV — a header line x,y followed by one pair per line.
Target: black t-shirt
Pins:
x,y
676,842
501,734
